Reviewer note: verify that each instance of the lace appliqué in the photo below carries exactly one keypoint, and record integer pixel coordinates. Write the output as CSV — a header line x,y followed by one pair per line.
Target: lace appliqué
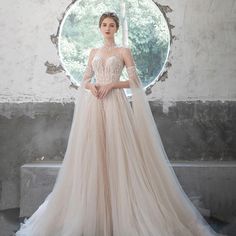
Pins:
x,y
88,74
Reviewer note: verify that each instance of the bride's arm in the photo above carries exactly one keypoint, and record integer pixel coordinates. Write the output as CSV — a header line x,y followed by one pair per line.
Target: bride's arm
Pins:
x,y
120,84
88,74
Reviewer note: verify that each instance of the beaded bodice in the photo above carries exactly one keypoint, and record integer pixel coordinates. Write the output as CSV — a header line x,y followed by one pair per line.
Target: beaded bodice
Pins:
x,y
107,66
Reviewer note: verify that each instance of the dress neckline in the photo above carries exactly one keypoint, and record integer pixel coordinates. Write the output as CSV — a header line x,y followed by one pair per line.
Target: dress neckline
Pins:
x,y
109,47
108,57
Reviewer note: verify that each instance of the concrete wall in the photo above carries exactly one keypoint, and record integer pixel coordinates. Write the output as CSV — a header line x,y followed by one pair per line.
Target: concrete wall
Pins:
x,y
194,107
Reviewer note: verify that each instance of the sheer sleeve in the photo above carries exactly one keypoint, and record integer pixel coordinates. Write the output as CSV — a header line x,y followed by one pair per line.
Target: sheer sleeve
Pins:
x,y
134,80
89,72
87,77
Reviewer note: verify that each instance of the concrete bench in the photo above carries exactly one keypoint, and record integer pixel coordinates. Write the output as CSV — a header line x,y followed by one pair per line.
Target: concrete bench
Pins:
x,y
209,185
37,181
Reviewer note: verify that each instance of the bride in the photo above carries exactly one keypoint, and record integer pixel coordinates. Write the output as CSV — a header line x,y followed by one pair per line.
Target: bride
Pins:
x,y
115,179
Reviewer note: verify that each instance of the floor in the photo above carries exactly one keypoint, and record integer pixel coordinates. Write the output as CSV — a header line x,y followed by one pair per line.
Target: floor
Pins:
x,y
10,222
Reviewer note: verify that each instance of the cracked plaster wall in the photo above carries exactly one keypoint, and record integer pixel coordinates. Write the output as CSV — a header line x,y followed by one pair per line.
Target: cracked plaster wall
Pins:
x,y
202,53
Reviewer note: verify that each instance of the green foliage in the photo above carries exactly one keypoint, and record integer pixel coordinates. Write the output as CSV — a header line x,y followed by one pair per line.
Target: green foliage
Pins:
x,y
147,31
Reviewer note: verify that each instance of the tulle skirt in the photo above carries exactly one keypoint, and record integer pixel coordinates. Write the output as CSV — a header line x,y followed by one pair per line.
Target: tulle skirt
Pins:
x,y
115,179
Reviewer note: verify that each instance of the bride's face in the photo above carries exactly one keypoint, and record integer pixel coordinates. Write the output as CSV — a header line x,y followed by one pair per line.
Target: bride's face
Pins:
x,y
108,28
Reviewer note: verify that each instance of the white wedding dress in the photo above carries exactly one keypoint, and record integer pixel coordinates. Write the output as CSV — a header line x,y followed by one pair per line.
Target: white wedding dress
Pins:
x,y
115,179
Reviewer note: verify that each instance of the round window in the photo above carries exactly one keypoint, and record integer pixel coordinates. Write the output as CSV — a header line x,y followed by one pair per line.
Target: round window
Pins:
x,y
140,21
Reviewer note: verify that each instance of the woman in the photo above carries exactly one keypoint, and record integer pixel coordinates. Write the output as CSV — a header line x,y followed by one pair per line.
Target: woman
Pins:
x,y
115,179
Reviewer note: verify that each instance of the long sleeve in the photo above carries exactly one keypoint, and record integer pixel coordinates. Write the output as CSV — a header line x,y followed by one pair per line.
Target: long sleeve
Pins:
x,y
134,80
87,76
88,73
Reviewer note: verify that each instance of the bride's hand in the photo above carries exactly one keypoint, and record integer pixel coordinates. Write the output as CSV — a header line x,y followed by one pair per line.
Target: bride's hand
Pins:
x,y
94,89
104,90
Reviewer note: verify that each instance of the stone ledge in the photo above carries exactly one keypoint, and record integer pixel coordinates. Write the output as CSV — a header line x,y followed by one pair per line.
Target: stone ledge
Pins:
x,y
210,185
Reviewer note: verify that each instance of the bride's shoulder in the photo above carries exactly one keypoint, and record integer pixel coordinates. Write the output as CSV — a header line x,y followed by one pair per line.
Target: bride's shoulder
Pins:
x,y
125,50
93,51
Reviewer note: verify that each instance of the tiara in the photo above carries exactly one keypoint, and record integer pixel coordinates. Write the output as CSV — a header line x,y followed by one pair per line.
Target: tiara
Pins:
x,y
107,13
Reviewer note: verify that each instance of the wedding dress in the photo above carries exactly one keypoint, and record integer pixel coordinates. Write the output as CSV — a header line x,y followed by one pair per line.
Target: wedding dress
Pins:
x,y
115,179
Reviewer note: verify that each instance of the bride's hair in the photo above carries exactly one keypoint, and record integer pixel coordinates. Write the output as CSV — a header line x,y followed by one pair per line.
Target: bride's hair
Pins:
x,y
109,14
